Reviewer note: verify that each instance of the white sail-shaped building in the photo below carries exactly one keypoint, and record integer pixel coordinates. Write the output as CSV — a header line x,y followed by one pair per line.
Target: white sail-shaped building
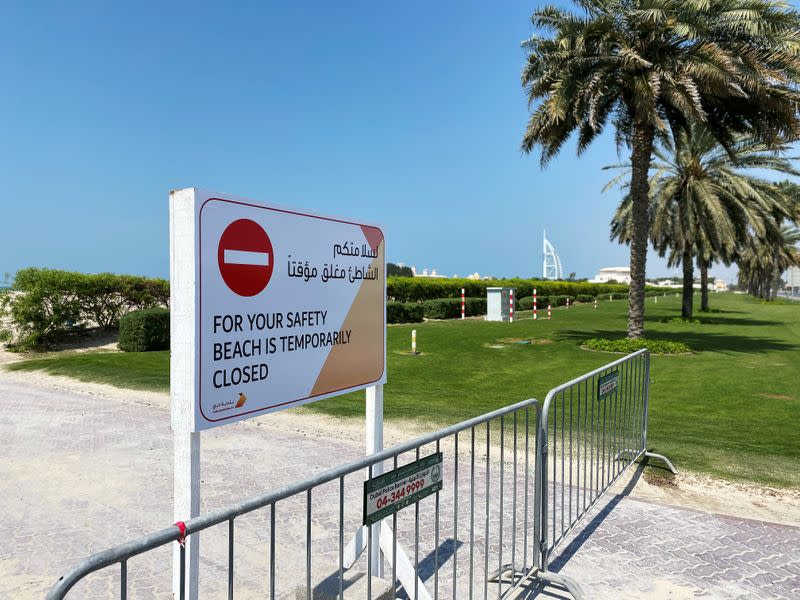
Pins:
x,y
551,267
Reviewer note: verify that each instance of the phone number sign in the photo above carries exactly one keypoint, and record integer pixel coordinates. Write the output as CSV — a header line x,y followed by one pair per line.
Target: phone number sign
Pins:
x,y
388,493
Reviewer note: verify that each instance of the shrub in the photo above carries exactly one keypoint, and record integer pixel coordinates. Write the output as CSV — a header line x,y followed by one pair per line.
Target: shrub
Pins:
x,y
525,303
144,330
626,346
450,308
584,298
474,307
404,312
47,302
561,300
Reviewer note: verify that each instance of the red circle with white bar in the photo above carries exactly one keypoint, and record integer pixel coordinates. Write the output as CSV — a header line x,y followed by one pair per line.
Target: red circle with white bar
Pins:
x,y
245,257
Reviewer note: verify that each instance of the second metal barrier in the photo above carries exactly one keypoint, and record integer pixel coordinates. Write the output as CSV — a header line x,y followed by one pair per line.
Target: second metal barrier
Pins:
x,y
592,429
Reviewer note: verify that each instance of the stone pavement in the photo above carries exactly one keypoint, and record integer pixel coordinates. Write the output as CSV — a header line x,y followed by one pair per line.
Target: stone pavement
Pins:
x,y
80,473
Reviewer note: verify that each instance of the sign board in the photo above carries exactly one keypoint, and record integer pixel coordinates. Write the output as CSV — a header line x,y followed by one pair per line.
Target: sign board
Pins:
x,y
271,308
607,384
388,493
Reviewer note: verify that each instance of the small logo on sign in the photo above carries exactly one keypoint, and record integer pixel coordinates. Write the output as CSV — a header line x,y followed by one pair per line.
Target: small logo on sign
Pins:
x,y
242,400
436,473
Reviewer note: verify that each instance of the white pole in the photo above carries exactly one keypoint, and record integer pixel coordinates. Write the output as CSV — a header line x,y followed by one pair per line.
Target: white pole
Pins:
x,y
375,445
549,315
534,304
567,301
413,341
187,505
186,443
510,306
595,302
462,303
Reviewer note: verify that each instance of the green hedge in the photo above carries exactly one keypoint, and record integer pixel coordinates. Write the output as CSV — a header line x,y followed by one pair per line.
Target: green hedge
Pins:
x,y
414,289
584,298
404,312
526,303
144,330
626,346
561,300
47,302
450,308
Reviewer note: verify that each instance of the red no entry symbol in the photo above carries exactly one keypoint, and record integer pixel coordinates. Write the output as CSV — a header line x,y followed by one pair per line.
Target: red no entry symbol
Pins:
x,y
245,257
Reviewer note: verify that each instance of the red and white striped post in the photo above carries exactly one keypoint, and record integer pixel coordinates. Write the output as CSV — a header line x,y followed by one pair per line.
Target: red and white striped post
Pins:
x,y
549,313
510,306
534,304
463,311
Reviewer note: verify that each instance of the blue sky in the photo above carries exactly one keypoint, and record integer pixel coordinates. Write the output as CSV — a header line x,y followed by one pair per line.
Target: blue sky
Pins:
x,y
406,114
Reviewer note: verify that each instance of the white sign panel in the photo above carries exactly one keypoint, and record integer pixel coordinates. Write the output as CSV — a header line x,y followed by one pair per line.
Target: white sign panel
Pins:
x,y
283,307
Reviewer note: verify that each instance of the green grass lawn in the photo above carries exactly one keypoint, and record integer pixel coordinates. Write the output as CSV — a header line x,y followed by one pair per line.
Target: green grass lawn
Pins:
x,y
732,409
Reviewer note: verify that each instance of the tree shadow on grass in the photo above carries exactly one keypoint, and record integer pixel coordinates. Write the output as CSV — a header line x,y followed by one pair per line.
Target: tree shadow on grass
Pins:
x,y
739,322
704,319
698,341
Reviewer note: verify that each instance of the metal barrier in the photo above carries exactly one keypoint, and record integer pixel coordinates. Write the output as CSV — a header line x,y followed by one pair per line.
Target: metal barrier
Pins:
x,y
592,429
481,521
516,482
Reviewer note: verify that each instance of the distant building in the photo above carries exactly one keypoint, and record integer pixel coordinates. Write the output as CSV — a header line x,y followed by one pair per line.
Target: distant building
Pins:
x,y
432,274
551,266
618,274
668,283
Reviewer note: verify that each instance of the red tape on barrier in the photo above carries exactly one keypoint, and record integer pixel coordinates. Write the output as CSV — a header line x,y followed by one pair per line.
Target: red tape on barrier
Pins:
x,y
182,537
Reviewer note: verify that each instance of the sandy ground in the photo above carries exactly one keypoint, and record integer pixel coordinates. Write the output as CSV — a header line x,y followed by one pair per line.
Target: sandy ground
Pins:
x,y
688,490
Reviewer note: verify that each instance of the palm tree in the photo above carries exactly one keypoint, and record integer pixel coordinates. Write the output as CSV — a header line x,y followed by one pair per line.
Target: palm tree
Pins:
x,y
762,261
650,65
706,201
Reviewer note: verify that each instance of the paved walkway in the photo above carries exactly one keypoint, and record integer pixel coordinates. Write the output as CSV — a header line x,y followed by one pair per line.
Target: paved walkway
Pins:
x,y
80,473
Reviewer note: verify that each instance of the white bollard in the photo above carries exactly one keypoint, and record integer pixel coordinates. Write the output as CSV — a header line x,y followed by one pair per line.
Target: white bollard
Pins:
x,y
413,341
655,299
549,314
510,306
534,304
567,301
595,302
611,297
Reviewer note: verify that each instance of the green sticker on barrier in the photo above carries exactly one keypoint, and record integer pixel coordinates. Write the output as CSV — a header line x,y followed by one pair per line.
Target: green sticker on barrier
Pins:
x,y
607,384
385,494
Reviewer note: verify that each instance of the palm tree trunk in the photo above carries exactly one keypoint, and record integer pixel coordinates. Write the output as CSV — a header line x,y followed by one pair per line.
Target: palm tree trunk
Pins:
x,y
688,285
641,154
703,283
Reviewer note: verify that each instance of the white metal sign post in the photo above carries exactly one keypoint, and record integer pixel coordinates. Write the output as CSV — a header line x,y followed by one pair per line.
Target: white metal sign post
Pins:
x,y
270,308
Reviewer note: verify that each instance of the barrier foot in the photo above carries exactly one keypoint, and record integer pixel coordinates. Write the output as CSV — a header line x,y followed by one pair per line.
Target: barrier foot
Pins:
x,y
563,581
663,459
627,454
497,574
